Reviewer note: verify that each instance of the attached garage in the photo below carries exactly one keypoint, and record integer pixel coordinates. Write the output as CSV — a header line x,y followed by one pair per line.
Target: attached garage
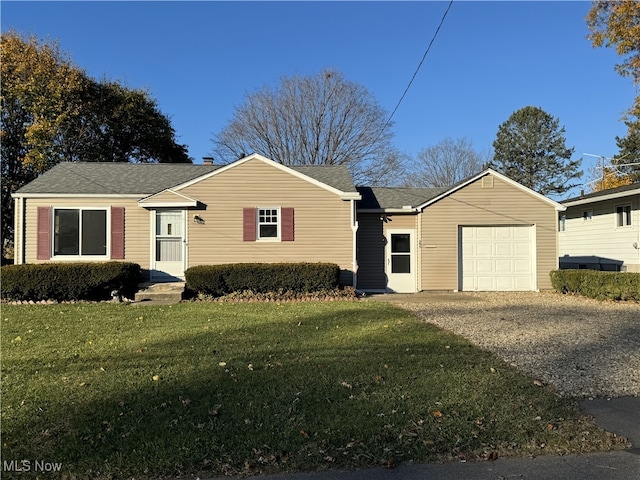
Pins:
x,y
497,258
486,233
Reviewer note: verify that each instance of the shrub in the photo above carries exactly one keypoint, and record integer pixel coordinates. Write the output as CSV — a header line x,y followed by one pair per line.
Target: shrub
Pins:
x,y
220,280
69,281
597,284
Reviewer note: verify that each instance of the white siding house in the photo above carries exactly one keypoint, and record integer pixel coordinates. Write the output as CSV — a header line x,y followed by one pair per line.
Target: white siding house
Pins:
x,y
601,230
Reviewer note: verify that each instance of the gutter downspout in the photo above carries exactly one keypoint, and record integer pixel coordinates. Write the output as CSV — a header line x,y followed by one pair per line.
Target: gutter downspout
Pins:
x,y
19,241
354,230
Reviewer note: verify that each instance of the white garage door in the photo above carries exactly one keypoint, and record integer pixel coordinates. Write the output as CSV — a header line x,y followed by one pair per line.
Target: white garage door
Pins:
x,y
497,258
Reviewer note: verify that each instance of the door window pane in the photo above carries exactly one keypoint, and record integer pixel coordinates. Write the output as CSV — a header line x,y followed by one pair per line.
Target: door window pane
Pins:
x,y
169,223
400,243
94,232
401,264
66,228
168,250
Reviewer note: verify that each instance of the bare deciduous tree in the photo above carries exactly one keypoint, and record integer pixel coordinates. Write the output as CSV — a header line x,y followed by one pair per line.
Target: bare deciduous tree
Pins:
x,y
445,164
317,120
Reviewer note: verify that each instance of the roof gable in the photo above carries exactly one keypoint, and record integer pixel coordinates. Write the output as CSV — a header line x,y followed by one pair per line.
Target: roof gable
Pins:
x,y
334,178
168,198
504,178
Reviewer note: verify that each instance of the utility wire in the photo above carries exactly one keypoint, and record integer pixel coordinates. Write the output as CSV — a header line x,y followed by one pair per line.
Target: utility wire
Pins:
x,y
416,72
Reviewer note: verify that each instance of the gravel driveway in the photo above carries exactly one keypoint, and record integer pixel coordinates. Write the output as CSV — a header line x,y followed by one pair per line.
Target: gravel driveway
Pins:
x,y
583,347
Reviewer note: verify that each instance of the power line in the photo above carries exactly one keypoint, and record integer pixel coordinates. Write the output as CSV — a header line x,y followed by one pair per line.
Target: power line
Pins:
x,y
417,70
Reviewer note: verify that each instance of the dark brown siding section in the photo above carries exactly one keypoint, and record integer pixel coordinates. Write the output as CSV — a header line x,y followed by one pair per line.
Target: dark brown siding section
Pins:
x,y
370,248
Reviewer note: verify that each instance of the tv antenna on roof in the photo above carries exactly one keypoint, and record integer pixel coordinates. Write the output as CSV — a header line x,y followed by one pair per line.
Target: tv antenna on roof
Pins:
x,y
614,165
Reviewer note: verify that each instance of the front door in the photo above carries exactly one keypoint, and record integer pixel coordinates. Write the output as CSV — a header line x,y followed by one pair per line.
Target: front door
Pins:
x,y
169,246
400,261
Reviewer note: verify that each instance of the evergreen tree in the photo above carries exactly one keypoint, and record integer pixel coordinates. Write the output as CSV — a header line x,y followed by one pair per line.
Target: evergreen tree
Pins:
x,y
530,149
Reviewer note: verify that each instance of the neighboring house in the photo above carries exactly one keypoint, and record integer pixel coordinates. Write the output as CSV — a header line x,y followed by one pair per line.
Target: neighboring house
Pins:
x,y
485,233
601,230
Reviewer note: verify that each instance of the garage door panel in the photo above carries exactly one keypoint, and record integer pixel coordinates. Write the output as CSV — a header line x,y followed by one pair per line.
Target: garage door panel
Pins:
x,y
503,266
503,249
497,258
483,266
485,283
523,283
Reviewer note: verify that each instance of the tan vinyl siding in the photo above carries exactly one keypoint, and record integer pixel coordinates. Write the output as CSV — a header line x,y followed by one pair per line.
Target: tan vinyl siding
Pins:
x,y
502,204
322,220
137,230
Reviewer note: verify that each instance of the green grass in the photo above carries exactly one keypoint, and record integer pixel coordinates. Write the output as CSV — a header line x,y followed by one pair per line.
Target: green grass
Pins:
x,y
112,391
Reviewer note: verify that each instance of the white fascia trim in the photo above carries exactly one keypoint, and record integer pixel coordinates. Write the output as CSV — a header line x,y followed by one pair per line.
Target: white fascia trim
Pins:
x,y
389,210
167,204
78,195
556,205
185,202
611,196
284,168
351,196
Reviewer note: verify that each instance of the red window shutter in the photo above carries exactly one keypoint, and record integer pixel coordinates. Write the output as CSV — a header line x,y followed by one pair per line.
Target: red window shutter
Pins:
x,y
44,233
249,224
288,227
117,233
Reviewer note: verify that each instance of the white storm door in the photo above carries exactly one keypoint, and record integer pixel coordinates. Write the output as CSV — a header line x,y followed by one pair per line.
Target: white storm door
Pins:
x,y
400,262
169,245
498,258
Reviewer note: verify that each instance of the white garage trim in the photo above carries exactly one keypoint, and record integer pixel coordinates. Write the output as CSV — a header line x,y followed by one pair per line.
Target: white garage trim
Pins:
x,y
497,258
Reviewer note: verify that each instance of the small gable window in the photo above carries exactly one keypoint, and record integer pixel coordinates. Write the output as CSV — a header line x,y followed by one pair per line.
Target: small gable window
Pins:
x,y
623,215
79,232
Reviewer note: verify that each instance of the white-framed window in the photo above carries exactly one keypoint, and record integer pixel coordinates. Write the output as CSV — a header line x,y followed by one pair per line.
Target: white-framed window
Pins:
x,y
562,222
587,215
623,215
80,232
268,223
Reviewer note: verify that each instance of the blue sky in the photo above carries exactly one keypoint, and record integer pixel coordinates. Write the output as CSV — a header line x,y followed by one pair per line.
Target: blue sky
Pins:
x,y
200,59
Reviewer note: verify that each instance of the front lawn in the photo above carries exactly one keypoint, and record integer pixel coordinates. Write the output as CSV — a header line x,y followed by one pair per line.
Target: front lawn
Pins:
x,y
112,391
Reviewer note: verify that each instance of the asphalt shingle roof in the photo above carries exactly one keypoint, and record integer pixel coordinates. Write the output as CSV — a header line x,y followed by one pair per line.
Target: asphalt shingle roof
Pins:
x,y
114,178
396,197
601,193
146,179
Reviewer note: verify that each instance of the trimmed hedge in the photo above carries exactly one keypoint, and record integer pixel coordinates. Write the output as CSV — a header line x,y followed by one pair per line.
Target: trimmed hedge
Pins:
x,y
597,284
69,281
218,280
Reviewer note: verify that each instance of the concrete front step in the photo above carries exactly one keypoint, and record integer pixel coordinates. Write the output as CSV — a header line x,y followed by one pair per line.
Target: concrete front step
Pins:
x,y
160,293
